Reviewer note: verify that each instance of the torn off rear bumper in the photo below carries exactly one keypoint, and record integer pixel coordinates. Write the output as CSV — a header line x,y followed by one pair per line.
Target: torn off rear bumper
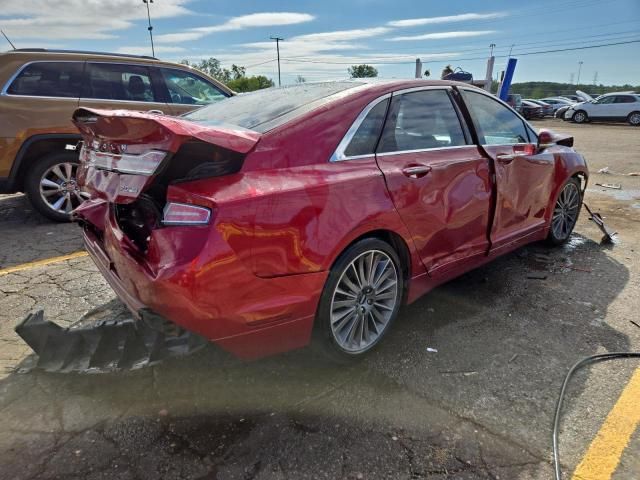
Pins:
x,y
106,345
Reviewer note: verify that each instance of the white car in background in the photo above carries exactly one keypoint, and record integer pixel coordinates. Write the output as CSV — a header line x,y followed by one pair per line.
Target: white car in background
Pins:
x,y
612,107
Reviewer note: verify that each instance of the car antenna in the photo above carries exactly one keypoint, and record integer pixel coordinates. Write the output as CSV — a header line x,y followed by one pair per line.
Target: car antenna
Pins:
x,y
10,43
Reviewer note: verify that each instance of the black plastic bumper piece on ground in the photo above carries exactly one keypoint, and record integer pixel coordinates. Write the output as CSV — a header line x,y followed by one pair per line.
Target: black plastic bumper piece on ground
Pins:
x,y
106,345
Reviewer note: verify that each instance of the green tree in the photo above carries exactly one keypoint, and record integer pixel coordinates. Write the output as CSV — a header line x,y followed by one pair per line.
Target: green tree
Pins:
x,y
362,71
300,79
427,73
249,84
446,71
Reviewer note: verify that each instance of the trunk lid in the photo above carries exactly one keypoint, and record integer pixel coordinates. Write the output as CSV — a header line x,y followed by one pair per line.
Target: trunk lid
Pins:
x,y
126,152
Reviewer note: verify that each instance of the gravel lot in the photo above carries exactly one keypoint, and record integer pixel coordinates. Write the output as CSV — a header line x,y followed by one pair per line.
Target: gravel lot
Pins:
x,y
481,407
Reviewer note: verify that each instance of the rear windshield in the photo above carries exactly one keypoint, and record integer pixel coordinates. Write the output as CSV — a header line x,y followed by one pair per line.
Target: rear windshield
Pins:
x,y
267,109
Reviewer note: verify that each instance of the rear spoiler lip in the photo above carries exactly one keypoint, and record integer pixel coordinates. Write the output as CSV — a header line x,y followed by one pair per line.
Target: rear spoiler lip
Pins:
x,y
233,138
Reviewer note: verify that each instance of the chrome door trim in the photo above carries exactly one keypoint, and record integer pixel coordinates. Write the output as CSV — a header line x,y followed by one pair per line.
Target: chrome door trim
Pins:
x,y
420,150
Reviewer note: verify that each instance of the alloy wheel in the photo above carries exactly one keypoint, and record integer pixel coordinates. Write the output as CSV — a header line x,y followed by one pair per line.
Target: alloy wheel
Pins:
x,y
364,301
59,188
579,117
565,213
634,119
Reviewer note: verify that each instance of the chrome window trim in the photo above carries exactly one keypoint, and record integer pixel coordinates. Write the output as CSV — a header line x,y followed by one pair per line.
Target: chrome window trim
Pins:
x,y
6,86
339,155
420,150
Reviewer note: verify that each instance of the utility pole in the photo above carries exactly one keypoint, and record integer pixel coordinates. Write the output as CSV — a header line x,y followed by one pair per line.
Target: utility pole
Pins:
x,y
278,40
595,78
511,49
571,75
492,46
579,68
150,28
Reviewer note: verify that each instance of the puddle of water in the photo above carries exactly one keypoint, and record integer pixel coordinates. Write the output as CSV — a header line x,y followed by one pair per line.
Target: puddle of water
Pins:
x,y
622,194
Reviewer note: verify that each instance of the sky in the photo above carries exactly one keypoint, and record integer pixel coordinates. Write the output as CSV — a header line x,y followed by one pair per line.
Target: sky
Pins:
x,y
323,38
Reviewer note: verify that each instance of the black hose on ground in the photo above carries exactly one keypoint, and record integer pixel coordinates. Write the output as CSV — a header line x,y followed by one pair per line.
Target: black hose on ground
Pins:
x,y
556,421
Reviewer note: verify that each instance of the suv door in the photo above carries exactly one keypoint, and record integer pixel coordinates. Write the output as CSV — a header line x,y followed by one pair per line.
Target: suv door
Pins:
x,y
439,182
187,91
523,176
602,108
121,85
623,106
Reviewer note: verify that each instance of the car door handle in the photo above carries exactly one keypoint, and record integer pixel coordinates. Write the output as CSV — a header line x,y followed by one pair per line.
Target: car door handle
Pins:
x,y
416,171
157,112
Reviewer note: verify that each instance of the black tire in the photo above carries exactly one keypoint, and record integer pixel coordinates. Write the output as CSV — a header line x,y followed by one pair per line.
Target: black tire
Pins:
x,y
35,176
634,119
324,337
580,117
559,235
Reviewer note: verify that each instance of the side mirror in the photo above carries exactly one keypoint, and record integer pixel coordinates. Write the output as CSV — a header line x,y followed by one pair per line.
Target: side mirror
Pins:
x,y
548,138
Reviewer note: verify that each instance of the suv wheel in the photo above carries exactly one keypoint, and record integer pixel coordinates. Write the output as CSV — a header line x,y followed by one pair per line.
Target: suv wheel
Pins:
x,y
634,119
52,188
580,117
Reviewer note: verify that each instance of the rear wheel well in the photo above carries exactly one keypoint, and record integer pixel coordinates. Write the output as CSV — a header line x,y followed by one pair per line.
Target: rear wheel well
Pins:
x,y
398,244
37,149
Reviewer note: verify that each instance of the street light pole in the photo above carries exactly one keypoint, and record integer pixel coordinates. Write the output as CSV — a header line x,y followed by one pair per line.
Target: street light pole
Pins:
x,y
579,68
278,40
150,28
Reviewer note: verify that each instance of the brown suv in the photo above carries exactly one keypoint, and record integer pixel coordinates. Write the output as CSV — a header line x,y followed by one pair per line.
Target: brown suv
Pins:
x,y
40,89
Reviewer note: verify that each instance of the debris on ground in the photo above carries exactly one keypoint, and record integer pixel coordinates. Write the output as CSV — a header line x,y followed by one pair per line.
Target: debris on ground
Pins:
x,y
536,276
580,269
635,323
608,171
432,350
515,355
598,220
615,186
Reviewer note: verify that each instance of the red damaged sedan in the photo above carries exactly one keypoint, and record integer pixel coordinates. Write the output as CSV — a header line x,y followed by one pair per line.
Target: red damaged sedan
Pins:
x,y
316,210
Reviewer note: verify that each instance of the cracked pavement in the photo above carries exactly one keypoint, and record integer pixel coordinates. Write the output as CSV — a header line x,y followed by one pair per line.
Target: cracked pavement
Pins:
x,y
480,407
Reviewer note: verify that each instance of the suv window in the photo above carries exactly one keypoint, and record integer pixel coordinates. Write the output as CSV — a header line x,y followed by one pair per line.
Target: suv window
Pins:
x,y
421,120
49,79
366,137
495,123
189,89
113,81
625,99
606,100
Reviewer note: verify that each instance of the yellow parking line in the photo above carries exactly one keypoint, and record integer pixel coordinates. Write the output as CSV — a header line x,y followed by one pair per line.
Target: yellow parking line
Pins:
x,y
603,455
43,262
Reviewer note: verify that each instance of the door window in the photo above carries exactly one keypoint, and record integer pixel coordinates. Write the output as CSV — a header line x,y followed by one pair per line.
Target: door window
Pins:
x,y
421,120
48,79
366,137
112,81
495,123
188,89
606,100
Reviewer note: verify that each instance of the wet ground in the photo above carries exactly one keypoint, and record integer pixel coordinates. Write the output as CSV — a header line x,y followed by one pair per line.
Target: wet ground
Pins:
x,y
481,406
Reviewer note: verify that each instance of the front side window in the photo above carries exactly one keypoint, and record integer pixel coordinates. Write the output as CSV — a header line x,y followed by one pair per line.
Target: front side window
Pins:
x,y
606,100
366,137
421,120
495,123
189,89
111,81
49,79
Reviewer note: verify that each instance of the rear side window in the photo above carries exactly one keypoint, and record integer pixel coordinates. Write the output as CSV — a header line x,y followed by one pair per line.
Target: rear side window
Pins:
x,y
421,120
110,81
625,99
495,123
366,137
188,89
49,79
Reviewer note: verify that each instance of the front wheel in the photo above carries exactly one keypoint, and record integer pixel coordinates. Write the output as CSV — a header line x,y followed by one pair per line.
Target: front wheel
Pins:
x,y
580,117
52,188
360,300
565,212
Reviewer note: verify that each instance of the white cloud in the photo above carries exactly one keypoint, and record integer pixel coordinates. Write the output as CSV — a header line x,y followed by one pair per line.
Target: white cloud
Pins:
x,y
414,22
78,19
146,50
442,35
341,35
266,19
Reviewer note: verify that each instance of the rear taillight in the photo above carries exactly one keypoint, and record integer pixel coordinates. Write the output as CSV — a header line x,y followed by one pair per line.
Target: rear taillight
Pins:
x,y
143,164
185,214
